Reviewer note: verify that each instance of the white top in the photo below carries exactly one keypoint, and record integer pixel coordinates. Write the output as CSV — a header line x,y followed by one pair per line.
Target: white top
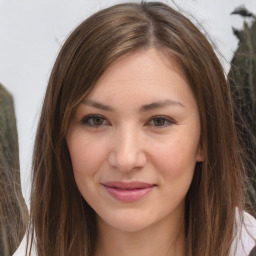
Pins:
x,y
245,239
244,242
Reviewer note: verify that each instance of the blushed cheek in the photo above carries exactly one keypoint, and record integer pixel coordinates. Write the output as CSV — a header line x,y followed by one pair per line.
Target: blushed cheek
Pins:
x,y
84,168
84,160
175,159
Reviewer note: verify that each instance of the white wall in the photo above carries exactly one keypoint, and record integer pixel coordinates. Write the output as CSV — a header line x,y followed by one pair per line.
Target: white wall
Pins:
x,y
32,31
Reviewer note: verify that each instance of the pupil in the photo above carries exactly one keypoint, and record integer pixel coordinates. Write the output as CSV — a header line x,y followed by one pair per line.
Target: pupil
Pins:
x,y
97,120
159,122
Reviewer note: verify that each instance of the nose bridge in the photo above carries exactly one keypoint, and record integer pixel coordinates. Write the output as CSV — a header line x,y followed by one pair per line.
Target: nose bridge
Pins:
x,y
127,152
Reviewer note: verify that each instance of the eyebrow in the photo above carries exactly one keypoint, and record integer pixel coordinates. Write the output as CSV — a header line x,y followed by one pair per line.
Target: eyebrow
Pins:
x,y
160,104
98,105
143,108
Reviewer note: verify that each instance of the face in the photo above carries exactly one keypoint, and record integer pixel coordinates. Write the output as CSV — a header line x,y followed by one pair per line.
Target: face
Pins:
x,y
134,142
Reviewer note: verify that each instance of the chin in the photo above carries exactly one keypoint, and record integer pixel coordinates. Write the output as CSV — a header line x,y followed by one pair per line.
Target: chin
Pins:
x,y
127,221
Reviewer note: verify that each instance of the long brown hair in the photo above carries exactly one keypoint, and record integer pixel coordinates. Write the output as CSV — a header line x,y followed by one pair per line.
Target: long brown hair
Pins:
x,y
62,223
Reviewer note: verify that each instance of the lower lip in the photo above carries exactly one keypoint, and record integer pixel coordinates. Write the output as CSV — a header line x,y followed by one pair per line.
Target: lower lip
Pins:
x,y
128,195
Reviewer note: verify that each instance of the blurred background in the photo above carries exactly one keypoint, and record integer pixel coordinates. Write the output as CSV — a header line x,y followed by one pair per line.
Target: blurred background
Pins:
x,y
32,32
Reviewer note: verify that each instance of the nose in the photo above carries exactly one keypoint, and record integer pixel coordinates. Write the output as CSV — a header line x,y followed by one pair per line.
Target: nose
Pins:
x,y
127,151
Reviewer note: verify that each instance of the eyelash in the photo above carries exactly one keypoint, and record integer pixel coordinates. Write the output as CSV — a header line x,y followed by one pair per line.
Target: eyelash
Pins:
x,y
88,120
167,121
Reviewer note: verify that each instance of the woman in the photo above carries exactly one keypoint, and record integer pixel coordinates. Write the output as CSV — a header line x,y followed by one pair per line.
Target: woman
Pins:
x,y
136,151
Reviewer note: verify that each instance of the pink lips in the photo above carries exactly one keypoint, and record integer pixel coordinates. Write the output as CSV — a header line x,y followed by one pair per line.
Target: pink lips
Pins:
x,y
128,191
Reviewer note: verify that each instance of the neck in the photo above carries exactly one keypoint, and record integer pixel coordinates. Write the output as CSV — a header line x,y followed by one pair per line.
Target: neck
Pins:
x,y
161,239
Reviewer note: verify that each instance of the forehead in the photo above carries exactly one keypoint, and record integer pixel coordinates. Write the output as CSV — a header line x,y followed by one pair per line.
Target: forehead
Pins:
x,y
146,76
140,61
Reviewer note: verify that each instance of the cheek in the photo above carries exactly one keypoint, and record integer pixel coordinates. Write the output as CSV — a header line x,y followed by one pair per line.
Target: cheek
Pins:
x,y
175,159
86,156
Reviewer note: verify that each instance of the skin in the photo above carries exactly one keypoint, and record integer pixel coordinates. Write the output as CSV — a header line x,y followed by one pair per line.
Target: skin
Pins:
x,y
147,130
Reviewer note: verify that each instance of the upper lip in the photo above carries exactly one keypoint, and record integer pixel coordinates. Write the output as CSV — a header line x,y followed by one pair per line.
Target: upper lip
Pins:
x,y
128,185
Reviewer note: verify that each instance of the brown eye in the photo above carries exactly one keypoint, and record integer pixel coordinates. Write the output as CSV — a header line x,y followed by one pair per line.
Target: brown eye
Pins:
x,y
160,121
94,120
97,120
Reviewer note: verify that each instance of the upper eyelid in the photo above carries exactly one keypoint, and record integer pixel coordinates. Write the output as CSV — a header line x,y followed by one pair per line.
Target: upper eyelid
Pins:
x,y
167,118
92,115
162,116
87,117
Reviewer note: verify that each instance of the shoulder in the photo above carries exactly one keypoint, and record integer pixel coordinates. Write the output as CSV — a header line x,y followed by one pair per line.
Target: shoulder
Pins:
x,y
245,237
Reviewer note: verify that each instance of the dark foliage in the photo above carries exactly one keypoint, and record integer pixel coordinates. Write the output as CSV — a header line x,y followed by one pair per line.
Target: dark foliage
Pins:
x,y
242,79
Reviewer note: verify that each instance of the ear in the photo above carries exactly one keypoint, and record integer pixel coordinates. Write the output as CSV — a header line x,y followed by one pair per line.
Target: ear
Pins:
x,y
200,154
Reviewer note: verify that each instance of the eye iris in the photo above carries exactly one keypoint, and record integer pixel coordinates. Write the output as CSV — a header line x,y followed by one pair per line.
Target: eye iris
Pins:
x,y
97,120
159,121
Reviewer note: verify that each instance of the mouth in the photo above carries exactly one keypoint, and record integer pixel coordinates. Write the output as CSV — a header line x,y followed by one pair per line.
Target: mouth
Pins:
x,y
128,191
